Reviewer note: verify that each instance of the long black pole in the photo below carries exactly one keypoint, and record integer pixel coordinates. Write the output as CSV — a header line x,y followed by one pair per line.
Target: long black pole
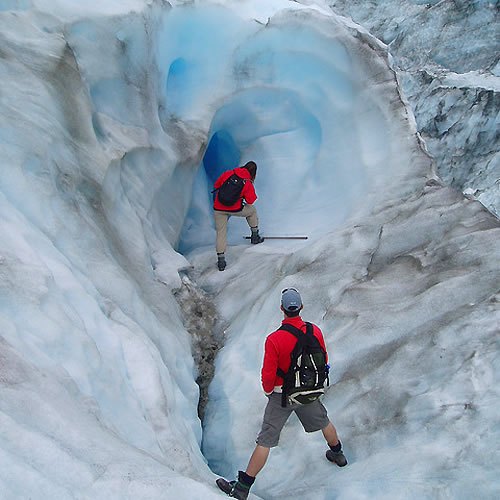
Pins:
x,y
280,237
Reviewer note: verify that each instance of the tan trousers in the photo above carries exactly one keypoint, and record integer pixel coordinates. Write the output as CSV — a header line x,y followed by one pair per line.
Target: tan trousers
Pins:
x,y
221,218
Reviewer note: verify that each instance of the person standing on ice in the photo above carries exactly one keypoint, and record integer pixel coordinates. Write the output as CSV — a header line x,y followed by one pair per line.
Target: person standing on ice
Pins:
x,y
313,416
235,196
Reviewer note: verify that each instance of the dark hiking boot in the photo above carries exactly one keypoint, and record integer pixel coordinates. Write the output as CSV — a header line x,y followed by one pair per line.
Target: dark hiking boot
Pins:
x,y
255,238
337,457
221,262
233,489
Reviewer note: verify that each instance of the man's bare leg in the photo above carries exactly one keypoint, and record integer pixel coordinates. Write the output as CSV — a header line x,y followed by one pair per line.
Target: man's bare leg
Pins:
x,y
257,460
334,454
330,434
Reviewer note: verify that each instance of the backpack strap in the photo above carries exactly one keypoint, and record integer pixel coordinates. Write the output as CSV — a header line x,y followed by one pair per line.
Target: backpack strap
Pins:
x,y
297,333
300,336
216,189
233,173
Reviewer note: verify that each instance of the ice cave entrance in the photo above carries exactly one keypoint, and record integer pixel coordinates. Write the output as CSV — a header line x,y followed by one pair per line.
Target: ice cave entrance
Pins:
x,y
273,128
318,136
222,154
306,178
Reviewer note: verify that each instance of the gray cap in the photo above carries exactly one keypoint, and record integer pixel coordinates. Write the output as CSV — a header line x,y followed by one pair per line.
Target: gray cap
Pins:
x,y
290,300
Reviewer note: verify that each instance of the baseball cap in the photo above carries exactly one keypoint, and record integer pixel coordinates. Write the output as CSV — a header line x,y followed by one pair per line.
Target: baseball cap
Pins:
x,y
290,299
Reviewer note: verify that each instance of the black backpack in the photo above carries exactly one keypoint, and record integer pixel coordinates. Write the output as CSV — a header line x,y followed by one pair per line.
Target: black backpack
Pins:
x,y
230,190
304,382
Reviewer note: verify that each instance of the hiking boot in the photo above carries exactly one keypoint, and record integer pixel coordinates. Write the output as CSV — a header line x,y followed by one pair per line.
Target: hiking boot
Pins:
x,y
337,457
221,263
233,489
255,238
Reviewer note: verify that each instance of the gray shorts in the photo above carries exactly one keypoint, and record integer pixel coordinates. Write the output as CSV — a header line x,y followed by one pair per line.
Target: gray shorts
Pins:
x,y
313,417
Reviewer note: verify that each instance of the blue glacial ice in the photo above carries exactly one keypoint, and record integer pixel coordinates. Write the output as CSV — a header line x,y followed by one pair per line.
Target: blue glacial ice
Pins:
x,y
115,119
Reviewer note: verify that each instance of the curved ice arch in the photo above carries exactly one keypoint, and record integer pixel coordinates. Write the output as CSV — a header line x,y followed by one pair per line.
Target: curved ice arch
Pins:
x,y
295,97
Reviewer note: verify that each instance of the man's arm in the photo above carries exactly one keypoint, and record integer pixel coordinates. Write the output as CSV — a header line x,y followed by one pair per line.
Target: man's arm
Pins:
x,y
269,367
249,192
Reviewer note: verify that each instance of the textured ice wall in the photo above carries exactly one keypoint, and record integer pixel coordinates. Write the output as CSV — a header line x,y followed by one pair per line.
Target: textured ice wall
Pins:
x,y
447,55
97,390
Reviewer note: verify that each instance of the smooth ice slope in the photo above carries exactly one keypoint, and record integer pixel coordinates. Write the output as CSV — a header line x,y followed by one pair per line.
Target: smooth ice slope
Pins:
x,y
410,313
106,115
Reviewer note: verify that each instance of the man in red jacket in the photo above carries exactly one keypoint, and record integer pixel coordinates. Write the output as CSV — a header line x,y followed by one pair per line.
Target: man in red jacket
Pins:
x,y
313,416
244,175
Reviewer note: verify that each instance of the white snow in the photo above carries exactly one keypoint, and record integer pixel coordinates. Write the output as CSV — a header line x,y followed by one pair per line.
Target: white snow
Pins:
x,y
115,120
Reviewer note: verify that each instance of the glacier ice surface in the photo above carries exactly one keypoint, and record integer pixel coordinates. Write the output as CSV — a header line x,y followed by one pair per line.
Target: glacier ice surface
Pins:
x,y
106,114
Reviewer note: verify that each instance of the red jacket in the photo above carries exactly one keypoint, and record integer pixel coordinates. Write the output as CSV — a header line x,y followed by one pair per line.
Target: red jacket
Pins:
x,y
248,192
279,346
